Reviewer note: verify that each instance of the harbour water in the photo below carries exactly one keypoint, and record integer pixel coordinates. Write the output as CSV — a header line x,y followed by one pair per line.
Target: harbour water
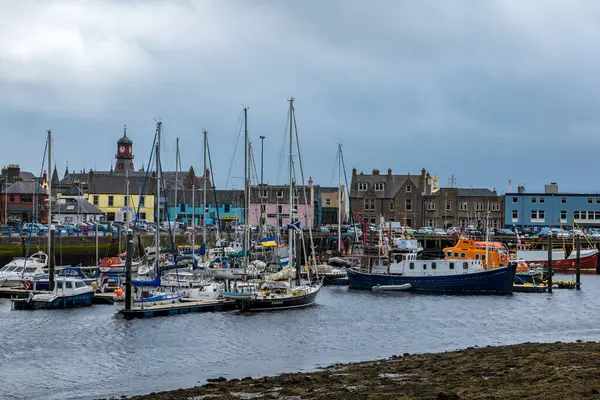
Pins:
x,y
92,353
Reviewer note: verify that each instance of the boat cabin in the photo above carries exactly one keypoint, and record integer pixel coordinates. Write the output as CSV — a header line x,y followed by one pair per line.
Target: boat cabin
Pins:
x,y
491,254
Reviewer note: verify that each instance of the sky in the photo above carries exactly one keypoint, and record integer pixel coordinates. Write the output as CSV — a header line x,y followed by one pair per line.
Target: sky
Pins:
x,y
487,91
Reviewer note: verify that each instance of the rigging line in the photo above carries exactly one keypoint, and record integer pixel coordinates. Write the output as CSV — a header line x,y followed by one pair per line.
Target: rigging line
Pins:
x,y
312,244
214,189
143,191
237,142
331,179
171,236
283,156
350,215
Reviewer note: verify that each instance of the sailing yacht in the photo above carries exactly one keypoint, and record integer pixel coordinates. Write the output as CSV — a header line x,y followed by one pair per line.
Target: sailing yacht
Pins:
x,y
274,295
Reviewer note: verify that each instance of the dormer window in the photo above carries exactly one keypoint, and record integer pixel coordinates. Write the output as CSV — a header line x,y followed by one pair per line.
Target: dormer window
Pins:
x,y
280,194
379,187
264,194
362,186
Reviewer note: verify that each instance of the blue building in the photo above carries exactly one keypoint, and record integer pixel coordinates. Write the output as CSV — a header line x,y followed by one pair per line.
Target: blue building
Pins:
x,y
551,208
227,207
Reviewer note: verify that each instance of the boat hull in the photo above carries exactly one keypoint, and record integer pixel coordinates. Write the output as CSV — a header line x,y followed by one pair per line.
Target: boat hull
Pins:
x,y
58,302
498,280
278,303
587,264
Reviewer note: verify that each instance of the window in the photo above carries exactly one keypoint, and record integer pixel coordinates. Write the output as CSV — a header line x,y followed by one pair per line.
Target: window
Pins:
x,y
264,193
227,208
412,265
433,265
408,205
143,215
362,186
515,215
495,206
182,207
372,220
455,255
462,206
379,187
296,193
448,205
424,266
563,200
12,198
534,200
515,199
125,201
575,214
408,188
590,200
280,194
541,214
79,284
449,254
111,201
563,215
582,215
479,206
408,222
477,256
110,216
463,255
430,205
369,204
392,205
537,216
451,266
280,209
26,198
541,200
327,202
597,215
96,200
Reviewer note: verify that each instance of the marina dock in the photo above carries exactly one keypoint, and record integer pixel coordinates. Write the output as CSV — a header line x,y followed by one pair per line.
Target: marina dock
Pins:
x,y
187,306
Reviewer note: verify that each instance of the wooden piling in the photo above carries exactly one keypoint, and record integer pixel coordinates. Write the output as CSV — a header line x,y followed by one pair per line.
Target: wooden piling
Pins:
x,y
549,262
577,264
51,262
128,258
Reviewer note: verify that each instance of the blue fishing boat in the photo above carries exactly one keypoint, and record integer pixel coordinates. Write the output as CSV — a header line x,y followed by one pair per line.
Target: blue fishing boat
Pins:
x,y
447,276
68,292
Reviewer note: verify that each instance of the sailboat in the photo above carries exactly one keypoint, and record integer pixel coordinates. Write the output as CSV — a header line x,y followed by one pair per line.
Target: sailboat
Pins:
x,y
275,295
65,291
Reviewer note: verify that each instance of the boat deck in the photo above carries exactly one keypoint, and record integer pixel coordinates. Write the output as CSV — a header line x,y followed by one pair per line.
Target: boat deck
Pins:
x,y
187,306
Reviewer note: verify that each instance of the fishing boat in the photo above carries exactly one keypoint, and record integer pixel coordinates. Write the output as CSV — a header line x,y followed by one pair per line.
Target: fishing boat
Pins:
x,y
560,260
22,269
68,292
447,275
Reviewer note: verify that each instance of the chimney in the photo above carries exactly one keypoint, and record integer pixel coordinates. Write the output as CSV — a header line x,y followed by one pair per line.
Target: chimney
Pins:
x,y
552,188
521,189
389,172
362,173
375,172
353,171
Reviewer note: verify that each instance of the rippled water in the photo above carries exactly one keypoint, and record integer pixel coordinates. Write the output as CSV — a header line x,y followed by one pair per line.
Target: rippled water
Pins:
x,y
90,353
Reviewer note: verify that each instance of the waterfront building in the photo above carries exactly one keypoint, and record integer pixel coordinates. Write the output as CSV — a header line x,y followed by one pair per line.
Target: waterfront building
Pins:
x,y
463,207
271,203
551,208
108,193
393,197
326,204
10,175
223,206
22,201
74,210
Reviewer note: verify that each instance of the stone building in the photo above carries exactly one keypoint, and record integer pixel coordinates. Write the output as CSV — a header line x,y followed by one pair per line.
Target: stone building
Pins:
x,y
393,197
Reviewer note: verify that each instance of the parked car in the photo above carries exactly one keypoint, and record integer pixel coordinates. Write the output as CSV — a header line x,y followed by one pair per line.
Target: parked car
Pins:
x,y
425,231
35,228
439,232
453,231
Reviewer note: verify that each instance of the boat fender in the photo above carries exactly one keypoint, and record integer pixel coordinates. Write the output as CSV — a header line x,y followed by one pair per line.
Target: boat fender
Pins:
x,y
95,285
27,285
110,261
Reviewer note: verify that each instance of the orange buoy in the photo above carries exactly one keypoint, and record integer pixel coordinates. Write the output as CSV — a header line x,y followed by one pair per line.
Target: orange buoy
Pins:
x,y
119,292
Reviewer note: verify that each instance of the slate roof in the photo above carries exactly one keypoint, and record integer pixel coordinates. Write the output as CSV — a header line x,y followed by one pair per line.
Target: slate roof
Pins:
x,y
392,183
21,187
117,184
76,206
125,140
475,193
233,197
272,191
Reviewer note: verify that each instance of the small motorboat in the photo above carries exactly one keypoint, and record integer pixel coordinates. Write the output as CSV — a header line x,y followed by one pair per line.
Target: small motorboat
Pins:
x,y
68,292
390,288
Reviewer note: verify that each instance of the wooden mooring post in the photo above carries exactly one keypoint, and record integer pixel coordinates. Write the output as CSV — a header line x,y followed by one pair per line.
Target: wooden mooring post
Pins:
x,y
550,262
578,264
128,259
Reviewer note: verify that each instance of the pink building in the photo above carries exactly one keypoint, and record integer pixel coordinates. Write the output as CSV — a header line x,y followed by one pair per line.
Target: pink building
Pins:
x,y
274,201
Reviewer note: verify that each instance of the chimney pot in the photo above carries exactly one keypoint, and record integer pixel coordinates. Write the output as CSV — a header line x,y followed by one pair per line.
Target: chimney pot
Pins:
x,y
389,172
375,172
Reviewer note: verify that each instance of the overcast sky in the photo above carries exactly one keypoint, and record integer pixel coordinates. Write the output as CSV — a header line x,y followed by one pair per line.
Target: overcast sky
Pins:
x,y
484,90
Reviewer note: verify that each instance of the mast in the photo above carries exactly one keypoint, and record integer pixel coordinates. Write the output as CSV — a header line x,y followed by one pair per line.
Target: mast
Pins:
x,y
157,199
49,188
339,198
246,193
487,235
176,176
290,230
193,223
204,190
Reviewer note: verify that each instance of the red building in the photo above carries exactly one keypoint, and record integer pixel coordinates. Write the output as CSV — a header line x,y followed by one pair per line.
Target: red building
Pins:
x,y
22,200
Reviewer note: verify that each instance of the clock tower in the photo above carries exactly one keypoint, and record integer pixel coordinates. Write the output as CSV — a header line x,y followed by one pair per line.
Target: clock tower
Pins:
x,y
124,154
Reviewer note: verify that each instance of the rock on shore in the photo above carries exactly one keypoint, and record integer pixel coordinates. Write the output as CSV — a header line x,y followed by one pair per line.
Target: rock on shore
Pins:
x,y
530,370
